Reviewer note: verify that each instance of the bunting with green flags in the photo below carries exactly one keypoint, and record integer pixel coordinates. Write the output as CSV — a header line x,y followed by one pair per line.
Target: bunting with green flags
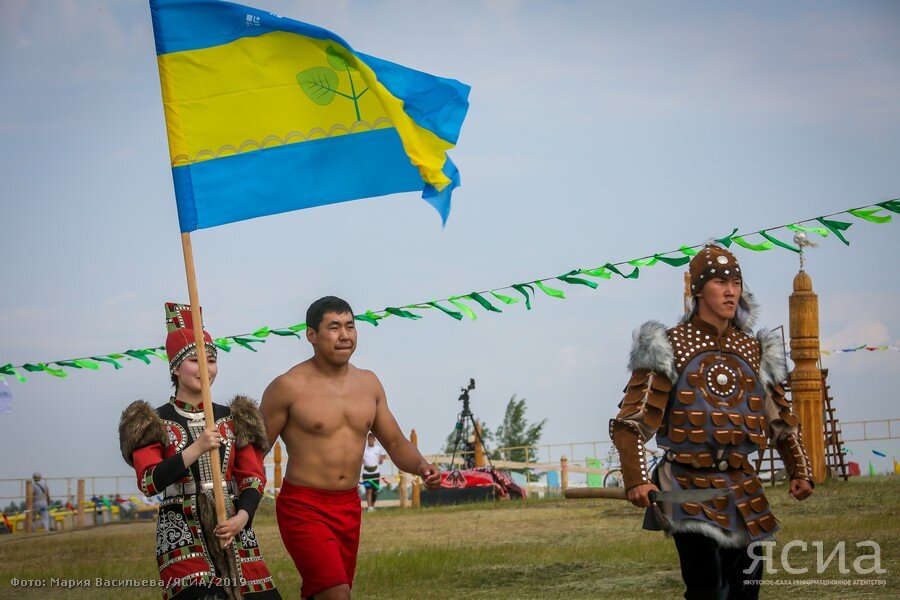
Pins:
x,y
493,300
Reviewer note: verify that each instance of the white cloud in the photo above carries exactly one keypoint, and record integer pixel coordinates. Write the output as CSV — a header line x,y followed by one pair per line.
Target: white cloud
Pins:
x,y
866,330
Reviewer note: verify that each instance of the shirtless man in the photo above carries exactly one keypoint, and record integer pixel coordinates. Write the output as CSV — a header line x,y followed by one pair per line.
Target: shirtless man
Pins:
x,y
323,408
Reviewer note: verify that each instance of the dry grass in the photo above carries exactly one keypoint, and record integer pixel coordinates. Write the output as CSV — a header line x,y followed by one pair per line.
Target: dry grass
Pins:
x,y
548,548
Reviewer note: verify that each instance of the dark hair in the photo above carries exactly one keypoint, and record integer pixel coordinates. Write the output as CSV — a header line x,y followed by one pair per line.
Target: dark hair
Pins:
x,y
175,382
316,311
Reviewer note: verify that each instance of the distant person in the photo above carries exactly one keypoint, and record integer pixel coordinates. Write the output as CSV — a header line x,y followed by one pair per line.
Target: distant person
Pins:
x,y
168,447
469,460
98,510
373,457
323,408
711,394
6,525
41,503
107,504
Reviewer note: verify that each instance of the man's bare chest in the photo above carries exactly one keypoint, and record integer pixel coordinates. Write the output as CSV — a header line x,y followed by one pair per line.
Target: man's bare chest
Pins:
x,y
323,414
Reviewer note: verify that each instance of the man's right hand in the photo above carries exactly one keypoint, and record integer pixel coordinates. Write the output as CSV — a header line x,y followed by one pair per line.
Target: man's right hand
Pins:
x,y
431,475
639,495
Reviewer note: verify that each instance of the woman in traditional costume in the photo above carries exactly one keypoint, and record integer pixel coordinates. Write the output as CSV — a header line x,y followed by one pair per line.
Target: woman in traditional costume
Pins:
x,y
169,450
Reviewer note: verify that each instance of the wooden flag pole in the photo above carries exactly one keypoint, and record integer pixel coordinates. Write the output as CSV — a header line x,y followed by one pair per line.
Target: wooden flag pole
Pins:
x,y
197,325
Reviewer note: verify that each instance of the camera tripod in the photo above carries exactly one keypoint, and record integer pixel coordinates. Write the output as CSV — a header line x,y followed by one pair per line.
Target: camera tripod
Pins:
x,y
466,417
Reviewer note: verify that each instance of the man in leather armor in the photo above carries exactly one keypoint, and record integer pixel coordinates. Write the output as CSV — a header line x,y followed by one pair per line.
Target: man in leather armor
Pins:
x,y
712,395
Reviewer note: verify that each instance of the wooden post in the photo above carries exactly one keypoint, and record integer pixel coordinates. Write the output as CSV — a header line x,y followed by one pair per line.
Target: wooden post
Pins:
x,y
806,378
772,478
564,473
527,470
416,491
404,503
79,506
197,324
479,448
277,467
29,505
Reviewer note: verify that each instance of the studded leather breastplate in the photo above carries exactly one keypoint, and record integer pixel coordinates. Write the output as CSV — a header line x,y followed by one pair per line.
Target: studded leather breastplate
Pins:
x,y
715,417
714,420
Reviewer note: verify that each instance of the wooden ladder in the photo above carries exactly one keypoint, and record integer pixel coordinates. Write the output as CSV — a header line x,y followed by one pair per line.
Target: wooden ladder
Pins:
x,y
769,463
834,441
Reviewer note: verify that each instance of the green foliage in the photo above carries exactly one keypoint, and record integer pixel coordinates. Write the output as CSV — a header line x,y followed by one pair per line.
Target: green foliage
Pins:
x,y
516,432
486,438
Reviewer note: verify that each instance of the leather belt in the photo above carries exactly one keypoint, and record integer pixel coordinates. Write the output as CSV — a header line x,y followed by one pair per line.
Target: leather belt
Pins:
x,y
190,488
719,464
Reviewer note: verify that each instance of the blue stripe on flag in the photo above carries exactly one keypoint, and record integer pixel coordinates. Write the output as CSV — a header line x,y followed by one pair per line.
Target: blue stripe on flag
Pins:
x,y
296,176
441,200
180,25
434,103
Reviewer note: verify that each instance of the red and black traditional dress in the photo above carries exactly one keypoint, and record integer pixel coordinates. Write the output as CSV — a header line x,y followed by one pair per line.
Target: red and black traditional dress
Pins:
x,y
191,562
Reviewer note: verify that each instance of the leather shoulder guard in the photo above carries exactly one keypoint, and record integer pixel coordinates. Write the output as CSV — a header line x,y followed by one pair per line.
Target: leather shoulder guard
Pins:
x,y
140,426
248,424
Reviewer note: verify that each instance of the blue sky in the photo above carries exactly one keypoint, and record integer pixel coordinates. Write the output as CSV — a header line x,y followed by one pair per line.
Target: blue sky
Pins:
x,y
597,132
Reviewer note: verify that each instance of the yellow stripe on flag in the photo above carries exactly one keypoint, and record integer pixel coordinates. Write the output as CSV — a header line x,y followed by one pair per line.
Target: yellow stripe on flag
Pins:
x,y
244,96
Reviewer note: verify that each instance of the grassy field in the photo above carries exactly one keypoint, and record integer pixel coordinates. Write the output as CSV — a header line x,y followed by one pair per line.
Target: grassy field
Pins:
x,y
539,549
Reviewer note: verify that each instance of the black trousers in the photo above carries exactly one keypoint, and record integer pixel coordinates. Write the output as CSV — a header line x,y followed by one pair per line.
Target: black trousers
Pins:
x,y
373,478
711,572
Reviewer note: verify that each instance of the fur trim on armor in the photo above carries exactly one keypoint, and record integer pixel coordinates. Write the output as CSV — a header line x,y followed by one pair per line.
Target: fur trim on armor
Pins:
x,y
223,559
725,539
248,424
747,312
772,368
744,319
651,350
691,305
140,426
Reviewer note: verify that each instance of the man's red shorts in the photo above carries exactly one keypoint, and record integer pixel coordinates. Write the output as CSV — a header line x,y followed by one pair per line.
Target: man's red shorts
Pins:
x,y
320,530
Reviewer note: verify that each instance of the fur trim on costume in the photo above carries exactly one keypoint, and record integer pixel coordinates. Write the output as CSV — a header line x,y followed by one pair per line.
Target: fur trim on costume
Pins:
x,y
651,350
223,559
691,309
248,424
747,312
744,318
140,426
772,368
723,537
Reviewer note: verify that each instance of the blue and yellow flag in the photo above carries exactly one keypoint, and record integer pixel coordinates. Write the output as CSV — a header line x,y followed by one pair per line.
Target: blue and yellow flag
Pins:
x,y
266,115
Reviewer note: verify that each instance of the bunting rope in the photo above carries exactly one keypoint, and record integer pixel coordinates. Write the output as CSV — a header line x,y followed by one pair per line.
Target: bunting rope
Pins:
x,y
859,348
629,269
865,347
